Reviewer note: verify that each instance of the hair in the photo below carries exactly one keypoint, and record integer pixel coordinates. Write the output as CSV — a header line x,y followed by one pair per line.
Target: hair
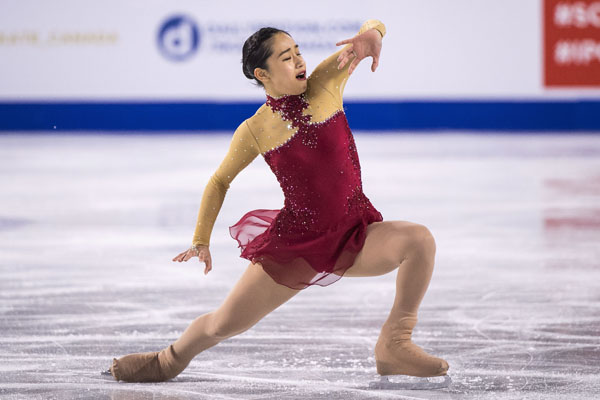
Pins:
x,y
256,50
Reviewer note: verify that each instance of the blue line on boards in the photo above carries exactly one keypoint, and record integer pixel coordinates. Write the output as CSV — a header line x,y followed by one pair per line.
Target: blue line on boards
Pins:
x,y
411,115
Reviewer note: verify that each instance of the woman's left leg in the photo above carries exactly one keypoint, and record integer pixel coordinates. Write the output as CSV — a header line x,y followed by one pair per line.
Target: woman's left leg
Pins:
x,y
404,245
411,248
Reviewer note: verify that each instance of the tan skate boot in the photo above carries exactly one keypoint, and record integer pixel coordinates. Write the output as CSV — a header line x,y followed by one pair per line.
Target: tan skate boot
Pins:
x,y
155,366
396,354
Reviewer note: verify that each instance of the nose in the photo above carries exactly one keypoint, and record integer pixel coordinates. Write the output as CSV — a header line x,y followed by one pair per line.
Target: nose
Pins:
x,y
299,60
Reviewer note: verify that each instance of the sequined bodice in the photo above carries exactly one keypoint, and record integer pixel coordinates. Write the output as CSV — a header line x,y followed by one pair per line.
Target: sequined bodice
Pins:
x,y
317,168
306,141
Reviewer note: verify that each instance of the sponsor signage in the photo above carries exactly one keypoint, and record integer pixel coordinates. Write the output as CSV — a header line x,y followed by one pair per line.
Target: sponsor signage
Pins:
x,y
572,43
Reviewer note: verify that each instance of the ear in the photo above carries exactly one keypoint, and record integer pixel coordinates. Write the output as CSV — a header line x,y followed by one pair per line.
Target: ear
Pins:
x,y
261,74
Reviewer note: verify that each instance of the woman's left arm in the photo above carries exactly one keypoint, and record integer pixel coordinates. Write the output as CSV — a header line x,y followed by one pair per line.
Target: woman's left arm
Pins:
x,y
333,72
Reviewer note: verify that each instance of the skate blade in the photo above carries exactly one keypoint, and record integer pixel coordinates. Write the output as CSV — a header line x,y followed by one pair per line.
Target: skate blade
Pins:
x,y
406,382
107,372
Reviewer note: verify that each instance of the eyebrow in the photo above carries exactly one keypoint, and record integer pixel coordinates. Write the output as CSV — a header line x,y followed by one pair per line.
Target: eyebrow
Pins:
x,y
280,54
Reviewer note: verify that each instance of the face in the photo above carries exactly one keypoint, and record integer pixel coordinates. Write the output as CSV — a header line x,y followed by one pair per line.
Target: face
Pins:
x,y
284,64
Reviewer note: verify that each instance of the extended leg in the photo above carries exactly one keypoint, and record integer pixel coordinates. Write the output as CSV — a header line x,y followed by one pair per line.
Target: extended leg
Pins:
x,y
410,248
254,296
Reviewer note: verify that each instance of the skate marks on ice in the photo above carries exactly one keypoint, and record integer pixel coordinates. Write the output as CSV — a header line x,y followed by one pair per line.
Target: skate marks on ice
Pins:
x,y
89,225
399,382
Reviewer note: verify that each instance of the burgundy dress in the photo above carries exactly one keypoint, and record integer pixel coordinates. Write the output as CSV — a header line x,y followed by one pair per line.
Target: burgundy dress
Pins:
x,y
322,226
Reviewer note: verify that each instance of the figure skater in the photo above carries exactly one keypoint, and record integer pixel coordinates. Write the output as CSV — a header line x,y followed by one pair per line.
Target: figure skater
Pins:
x,y
327,227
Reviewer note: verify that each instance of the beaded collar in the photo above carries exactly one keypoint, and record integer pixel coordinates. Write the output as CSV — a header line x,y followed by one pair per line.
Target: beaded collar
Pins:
x,y
290,107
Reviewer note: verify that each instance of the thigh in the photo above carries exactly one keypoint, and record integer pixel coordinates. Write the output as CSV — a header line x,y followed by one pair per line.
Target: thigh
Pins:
x,y
253,296
386,246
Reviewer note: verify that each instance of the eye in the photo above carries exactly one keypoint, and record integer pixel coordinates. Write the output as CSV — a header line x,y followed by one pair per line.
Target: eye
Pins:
x,y
289,58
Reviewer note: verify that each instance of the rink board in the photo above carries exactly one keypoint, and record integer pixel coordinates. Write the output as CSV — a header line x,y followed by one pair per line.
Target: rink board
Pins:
x,y
484,65
510,116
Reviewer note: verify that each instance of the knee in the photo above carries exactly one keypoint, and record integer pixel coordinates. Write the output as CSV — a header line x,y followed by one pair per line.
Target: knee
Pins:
x,y
424,242
417,239
220,327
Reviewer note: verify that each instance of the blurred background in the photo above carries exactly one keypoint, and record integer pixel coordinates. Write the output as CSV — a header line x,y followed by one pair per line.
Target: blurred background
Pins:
x,y
482,122
176,65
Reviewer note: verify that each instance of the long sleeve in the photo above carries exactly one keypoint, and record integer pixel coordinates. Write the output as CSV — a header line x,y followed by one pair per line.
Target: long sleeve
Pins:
x,y
332,79
242,150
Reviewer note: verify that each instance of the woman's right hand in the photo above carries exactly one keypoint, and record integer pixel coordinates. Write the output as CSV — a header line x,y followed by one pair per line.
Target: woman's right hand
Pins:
x,y
200,251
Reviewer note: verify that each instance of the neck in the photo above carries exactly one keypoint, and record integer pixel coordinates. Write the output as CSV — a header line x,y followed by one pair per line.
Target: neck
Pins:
x,y
279,96
285,99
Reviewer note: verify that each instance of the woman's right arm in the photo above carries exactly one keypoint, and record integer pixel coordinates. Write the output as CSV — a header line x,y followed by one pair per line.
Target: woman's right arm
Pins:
x,y
243,149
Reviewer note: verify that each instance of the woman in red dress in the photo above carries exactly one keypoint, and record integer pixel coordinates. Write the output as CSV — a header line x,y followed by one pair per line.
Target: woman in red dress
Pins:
x,y
327,228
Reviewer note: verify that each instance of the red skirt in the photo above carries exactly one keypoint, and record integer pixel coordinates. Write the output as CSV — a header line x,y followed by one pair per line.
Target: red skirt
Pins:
x,y
301,260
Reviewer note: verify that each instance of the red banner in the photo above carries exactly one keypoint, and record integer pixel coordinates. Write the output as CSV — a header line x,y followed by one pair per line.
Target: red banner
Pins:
x,y
572,43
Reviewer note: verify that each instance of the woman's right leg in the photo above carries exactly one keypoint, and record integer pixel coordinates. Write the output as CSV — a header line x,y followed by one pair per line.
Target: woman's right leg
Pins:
x,y
254,296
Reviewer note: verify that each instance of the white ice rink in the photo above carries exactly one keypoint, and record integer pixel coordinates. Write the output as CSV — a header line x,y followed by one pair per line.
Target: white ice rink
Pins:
x,y
89,224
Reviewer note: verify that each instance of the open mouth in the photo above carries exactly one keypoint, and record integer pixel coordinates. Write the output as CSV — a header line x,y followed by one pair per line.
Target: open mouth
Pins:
x,y
301,76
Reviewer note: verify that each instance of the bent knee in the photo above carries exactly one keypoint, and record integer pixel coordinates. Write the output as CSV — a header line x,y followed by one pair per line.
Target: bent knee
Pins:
x,y
424,240
415,237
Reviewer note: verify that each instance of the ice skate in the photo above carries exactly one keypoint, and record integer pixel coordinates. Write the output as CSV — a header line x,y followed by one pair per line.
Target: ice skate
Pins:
x,y
406,382
402,364
155,366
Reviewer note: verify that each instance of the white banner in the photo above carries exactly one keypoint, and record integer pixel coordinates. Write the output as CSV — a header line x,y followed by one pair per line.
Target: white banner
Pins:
x,y
191,50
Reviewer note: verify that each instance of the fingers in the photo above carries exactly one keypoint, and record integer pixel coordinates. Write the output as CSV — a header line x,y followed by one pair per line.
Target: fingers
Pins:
x,y
353,66
343,42
345,57
206,258
203,256
188,254
375,64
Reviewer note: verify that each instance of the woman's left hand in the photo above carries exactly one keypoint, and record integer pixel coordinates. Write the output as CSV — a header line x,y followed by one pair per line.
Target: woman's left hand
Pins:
x,y
364,45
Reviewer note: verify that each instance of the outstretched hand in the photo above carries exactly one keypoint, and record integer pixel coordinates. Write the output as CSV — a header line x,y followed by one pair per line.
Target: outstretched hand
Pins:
x,y
367,44
200,251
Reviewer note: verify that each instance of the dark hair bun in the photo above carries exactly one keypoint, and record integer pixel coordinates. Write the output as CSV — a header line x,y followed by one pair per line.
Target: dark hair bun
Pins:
x,y
256,51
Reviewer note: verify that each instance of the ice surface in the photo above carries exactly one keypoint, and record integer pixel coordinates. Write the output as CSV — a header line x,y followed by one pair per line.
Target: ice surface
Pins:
x,y
89,224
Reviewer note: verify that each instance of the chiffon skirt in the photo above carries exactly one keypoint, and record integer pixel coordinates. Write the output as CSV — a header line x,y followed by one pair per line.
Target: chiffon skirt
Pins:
x,y
298,260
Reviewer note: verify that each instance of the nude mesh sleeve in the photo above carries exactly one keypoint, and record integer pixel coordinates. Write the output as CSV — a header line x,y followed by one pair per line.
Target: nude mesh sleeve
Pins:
x,y
242,150
332,79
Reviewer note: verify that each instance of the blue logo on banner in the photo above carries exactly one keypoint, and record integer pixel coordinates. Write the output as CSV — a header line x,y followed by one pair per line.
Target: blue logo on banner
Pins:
x,y
178,38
